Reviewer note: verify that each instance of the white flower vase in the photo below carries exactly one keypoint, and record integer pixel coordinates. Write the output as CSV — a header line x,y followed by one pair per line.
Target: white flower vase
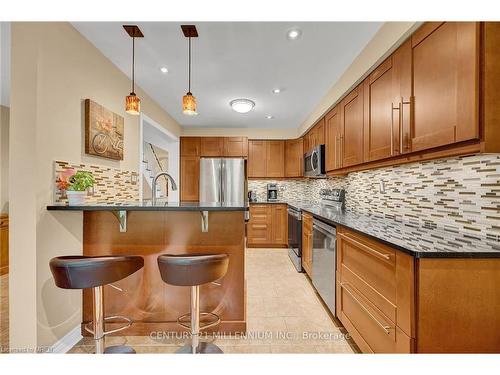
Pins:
x,y
76,198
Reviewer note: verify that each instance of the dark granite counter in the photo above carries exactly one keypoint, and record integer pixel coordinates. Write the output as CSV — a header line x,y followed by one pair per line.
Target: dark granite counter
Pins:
x,y
147,206
416,240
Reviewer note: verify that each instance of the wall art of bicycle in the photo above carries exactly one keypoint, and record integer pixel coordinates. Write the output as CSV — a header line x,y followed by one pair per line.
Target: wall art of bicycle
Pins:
x,y
103,131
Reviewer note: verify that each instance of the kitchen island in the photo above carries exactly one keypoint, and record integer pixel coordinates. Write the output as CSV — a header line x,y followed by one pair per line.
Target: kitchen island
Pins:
x,y
151,230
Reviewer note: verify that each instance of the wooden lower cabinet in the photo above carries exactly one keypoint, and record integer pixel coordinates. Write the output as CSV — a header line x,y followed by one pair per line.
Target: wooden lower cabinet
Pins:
x,y
375,294
307,242
268,225
4,244
391,302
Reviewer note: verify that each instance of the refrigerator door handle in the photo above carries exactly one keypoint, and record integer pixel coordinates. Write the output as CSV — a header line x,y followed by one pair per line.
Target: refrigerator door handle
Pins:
x,y
223,181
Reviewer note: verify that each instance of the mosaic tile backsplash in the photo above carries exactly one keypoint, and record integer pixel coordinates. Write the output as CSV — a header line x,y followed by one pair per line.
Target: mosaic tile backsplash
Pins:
x,y
457,194
111,185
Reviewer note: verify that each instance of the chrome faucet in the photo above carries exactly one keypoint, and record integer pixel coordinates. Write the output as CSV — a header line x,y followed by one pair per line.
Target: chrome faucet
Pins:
x,y
153,187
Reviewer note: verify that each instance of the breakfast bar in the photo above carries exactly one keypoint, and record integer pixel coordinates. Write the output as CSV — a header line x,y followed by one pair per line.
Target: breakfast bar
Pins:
x,y
152,230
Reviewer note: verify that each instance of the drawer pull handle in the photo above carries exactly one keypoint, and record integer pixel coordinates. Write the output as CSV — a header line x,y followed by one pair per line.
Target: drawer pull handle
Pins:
x,y
384,327
366,248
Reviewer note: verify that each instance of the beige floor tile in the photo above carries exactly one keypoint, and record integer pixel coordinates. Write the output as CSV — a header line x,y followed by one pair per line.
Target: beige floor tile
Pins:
x,y
288,349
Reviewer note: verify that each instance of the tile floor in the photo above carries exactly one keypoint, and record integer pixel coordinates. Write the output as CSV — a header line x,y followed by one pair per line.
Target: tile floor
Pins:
x,y
284,315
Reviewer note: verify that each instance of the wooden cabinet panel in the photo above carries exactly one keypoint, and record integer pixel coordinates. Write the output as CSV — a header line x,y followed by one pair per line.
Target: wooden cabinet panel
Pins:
x,y
236,147
212,146
294,157
257,158
268,225
445,62
4,244
376,294
275,159
351,115
190,146
307,244
190,178
381,124
333,135
319,130
279,224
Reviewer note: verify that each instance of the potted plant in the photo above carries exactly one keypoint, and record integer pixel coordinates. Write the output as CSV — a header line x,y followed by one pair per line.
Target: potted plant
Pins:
x,y
77,187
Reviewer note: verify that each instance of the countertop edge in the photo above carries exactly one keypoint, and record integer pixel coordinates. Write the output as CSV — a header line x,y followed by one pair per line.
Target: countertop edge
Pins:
x,y
137,208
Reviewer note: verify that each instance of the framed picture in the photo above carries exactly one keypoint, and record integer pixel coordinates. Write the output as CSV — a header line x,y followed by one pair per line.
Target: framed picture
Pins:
x,y
103,131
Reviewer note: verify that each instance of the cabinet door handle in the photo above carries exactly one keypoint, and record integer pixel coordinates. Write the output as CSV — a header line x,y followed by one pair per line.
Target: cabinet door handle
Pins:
x,y
395,150
365,248
404,135
386,328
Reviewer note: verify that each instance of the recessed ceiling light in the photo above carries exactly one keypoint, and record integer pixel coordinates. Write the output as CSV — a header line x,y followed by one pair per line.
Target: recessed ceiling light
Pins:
x,y
293,34
242,105
276,91
164,69
269,117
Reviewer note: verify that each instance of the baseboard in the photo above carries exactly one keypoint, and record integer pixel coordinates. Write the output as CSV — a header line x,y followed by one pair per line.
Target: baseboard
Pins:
x,y
67,341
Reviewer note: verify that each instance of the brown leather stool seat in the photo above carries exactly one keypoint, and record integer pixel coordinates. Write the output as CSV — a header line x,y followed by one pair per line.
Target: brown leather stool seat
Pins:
x,y
192,269
81,272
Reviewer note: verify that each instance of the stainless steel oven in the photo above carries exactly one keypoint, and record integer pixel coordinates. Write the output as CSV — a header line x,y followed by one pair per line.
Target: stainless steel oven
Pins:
x,y
295,237
314,162
324,262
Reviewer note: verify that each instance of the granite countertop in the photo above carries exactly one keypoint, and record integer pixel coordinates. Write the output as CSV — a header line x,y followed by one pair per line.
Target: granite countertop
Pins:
x,y
147,206
417,240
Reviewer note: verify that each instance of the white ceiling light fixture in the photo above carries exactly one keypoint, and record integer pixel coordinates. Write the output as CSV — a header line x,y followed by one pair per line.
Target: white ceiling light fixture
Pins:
x,y
269,117
242,105
164,69
276,91
293,34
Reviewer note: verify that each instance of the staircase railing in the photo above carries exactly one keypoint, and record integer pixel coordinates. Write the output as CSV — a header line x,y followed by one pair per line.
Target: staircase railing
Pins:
x,y
160,167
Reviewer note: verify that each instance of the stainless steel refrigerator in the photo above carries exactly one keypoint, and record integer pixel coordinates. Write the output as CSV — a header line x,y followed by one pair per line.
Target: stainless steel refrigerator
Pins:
x,y
222,181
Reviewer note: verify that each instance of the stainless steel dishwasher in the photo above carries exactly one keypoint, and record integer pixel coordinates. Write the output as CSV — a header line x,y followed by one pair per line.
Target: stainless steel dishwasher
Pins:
x,y
324,262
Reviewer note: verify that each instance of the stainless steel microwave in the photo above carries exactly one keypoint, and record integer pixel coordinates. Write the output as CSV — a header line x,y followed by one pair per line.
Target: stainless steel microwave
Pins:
x,y
314,162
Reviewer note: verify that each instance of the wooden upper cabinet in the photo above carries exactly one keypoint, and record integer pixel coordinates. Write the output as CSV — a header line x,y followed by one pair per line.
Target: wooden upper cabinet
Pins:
x,y
190,178
445,60
294,156
190,146
257,158
236,147
333,135
351,118
212,146
275,159
387,92
319,132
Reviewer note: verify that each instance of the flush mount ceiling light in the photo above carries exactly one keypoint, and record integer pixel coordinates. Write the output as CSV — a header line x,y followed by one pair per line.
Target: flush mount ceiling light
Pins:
x,y
242,105
132,102
269,117
276,91
164,69
293,34
188,100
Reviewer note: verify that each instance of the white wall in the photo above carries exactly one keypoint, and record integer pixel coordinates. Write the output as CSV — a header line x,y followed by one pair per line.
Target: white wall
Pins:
x,y
54,69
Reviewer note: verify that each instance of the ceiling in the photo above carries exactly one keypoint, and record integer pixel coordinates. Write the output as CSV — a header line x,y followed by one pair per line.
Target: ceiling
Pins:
x,y
236,60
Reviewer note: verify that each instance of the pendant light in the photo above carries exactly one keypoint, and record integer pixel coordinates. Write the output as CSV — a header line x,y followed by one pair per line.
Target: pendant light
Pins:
x,y
132,101
188,100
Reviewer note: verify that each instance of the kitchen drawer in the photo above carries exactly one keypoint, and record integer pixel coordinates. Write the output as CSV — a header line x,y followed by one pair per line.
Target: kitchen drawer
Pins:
x,y
259,213
382,275
370,329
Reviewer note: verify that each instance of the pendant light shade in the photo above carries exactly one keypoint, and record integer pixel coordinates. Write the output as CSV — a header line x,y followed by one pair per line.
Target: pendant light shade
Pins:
x,y
132,101
132,104
189,105
188,100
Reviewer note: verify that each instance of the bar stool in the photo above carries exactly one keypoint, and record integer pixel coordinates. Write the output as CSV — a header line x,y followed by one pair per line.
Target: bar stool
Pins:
x,y
194,270
81,272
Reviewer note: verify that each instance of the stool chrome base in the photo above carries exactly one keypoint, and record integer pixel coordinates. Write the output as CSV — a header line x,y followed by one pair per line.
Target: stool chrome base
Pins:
x,y
202,348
